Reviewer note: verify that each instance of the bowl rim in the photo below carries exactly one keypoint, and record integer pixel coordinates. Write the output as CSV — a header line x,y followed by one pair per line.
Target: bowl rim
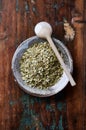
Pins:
x,y
55,91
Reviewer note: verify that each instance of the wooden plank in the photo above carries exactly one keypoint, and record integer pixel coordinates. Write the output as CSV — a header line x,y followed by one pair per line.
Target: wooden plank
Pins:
x,y
20,111
84,72
75,97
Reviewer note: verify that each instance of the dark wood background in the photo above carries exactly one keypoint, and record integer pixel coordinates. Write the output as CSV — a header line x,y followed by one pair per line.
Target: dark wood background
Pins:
x,y
20,111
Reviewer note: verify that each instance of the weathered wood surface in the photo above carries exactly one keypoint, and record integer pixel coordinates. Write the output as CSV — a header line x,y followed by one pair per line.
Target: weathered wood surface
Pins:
x,y
20,111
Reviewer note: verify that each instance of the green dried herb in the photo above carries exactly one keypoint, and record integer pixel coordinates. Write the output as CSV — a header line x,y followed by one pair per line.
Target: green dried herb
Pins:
x,y
39,66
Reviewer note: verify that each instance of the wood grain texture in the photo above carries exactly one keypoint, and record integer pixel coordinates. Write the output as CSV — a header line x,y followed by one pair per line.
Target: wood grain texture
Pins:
x,y
84,73
20,111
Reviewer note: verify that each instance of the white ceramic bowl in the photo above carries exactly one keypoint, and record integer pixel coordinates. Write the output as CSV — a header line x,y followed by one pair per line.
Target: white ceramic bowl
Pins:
x,y
35,91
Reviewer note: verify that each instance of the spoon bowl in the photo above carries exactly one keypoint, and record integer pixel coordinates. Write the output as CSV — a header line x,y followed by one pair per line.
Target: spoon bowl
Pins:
x,y
43,29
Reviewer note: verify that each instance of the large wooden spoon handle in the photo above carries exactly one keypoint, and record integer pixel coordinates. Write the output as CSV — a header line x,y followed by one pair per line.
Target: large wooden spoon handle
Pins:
x,y
61,61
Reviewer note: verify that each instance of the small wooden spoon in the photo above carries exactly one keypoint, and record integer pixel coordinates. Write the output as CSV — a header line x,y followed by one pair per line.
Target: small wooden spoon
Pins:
x,y
44,30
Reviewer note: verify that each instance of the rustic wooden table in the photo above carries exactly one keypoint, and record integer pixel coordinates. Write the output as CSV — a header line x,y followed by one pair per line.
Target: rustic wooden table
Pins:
x,y
20,111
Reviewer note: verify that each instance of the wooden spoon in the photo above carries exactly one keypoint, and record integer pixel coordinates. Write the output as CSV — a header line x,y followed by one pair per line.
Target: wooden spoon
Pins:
x,y
44,30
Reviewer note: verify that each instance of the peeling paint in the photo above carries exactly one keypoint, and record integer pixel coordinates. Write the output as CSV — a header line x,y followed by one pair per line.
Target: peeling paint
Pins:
x,y
57,6
25,121
53,126
35,11
12,103
17,5
26,7
60,127
49,108
30,119
61,106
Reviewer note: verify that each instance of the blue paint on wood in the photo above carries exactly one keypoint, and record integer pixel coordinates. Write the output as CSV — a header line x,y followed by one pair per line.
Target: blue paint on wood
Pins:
x,y
53,125
35,11
49,107
61,106
26,7
32,101
17,5
60,126
41,127
30,119
25,121
12,103
57,6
